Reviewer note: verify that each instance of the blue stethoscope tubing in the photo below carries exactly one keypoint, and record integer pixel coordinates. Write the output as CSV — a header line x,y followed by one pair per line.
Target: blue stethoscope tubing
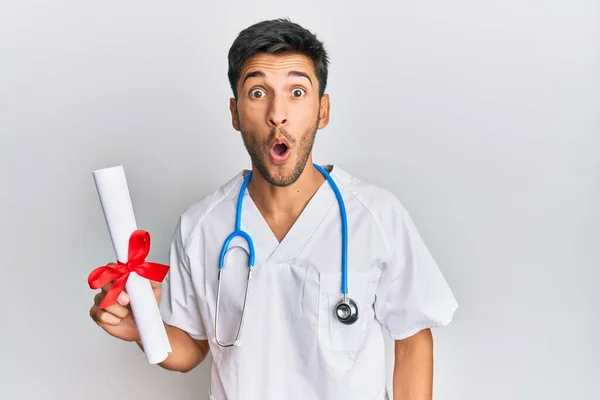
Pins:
x,y
346,309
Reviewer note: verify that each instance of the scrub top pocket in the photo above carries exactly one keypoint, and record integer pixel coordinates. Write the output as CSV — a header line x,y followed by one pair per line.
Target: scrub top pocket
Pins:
x,y
332,334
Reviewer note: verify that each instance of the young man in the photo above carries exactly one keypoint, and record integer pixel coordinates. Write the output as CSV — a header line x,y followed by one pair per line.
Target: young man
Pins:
x,y
303,335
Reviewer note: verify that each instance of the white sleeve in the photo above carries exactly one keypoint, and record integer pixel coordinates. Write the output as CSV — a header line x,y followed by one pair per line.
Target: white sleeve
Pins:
x,y
412,293
178,303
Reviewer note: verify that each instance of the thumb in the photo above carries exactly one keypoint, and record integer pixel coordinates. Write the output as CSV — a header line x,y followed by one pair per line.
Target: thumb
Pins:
x,y
155,284
156,289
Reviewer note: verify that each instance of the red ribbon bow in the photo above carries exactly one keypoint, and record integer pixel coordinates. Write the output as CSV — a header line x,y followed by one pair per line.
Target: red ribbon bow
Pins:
x,y
139,247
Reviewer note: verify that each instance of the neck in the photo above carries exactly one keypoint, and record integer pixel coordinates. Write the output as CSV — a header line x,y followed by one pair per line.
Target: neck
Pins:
x,y
289,201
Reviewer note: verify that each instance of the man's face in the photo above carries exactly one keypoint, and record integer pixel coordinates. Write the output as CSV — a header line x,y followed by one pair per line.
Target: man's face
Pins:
x,y
278,113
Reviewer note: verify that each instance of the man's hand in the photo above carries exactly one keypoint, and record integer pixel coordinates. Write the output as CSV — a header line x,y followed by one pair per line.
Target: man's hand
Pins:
x,y
117,319
413,367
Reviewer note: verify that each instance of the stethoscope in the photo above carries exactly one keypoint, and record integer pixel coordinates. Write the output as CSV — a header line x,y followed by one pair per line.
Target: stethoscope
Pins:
x,y
345,310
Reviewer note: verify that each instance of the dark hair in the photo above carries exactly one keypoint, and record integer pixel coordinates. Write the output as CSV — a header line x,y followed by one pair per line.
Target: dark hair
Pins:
x,y
278,36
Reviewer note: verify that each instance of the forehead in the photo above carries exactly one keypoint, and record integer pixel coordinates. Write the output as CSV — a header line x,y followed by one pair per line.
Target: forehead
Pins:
x,y
278,64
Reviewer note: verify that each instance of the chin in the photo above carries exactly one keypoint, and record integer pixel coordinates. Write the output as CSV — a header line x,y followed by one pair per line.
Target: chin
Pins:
x,y
281,175
282,178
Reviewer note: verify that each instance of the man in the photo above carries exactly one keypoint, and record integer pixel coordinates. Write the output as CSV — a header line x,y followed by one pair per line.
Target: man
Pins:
x,y
295,342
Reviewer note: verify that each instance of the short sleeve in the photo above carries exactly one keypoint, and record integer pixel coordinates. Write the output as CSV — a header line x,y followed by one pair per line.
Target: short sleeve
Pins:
x,y
412,293
179,303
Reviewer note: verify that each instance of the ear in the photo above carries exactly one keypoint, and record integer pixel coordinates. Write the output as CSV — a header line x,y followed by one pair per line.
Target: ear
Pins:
x,y
324,111
235,118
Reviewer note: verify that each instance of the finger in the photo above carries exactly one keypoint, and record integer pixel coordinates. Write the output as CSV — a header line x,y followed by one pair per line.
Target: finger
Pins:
x,y
117,310
123,298
108,318
98,298
106,287
103,317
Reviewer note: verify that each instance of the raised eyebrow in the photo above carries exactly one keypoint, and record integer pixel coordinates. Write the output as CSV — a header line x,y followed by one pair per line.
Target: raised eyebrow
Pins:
x,y
260,74
253,74
300,74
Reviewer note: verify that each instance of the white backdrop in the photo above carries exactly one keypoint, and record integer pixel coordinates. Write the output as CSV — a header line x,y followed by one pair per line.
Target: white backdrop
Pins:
x,y
483,117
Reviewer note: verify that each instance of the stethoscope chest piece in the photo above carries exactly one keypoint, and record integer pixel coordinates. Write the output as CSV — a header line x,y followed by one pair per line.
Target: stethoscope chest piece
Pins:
x,y
346,311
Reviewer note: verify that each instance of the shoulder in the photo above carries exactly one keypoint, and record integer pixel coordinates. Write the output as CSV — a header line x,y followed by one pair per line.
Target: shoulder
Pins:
x,y
199,210
375,199
380,203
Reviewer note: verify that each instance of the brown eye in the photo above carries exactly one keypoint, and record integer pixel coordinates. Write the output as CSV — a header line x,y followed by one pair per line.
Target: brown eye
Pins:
x,y
257,93
298,92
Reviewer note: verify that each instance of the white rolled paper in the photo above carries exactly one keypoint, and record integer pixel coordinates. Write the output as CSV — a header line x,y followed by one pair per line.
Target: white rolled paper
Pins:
x,y
120,219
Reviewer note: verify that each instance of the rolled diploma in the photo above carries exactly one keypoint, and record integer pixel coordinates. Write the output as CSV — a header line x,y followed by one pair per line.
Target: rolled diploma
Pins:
x,y
120,219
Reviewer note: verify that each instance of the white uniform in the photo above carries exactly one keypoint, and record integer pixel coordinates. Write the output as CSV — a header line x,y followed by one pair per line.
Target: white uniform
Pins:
x,y
293,347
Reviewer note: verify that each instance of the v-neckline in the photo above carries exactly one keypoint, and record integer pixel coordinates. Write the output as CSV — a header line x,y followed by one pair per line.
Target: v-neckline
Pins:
x,y
271,250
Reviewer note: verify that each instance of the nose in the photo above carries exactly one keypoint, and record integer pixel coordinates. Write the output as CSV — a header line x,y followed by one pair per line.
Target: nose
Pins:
x,y
277,115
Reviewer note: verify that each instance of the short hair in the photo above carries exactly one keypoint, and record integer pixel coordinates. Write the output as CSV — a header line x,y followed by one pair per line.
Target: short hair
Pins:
x,y
279,36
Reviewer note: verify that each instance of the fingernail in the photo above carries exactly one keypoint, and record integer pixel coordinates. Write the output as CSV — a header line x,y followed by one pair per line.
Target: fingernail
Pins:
x,y
123,298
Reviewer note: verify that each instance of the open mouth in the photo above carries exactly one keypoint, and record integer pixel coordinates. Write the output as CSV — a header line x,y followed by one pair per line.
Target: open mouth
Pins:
x,y
279,152
280,149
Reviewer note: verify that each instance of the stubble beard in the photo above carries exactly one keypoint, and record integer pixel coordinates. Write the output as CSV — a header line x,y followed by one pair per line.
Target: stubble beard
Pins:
x,y
258,152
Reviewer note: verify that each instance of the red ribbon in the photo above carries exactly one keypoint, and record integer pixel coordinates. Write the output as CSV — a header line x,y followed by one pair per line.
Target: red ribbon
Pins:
x,y
139,247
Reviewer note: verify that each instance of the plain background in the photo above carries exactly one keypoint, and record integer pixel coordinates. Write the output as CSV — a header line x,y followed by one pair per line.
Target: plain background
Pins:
x,y
483,117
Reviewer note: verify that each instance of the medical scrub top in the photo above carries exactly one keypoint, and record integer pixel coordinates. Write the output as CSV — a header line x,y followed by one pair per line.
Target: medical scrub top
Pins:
x,y
292,345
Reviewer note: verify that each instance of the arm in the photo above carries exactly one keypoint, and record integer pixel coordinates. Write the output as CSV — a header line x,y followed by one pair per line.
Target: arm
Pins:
x,y
413,367
187,352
